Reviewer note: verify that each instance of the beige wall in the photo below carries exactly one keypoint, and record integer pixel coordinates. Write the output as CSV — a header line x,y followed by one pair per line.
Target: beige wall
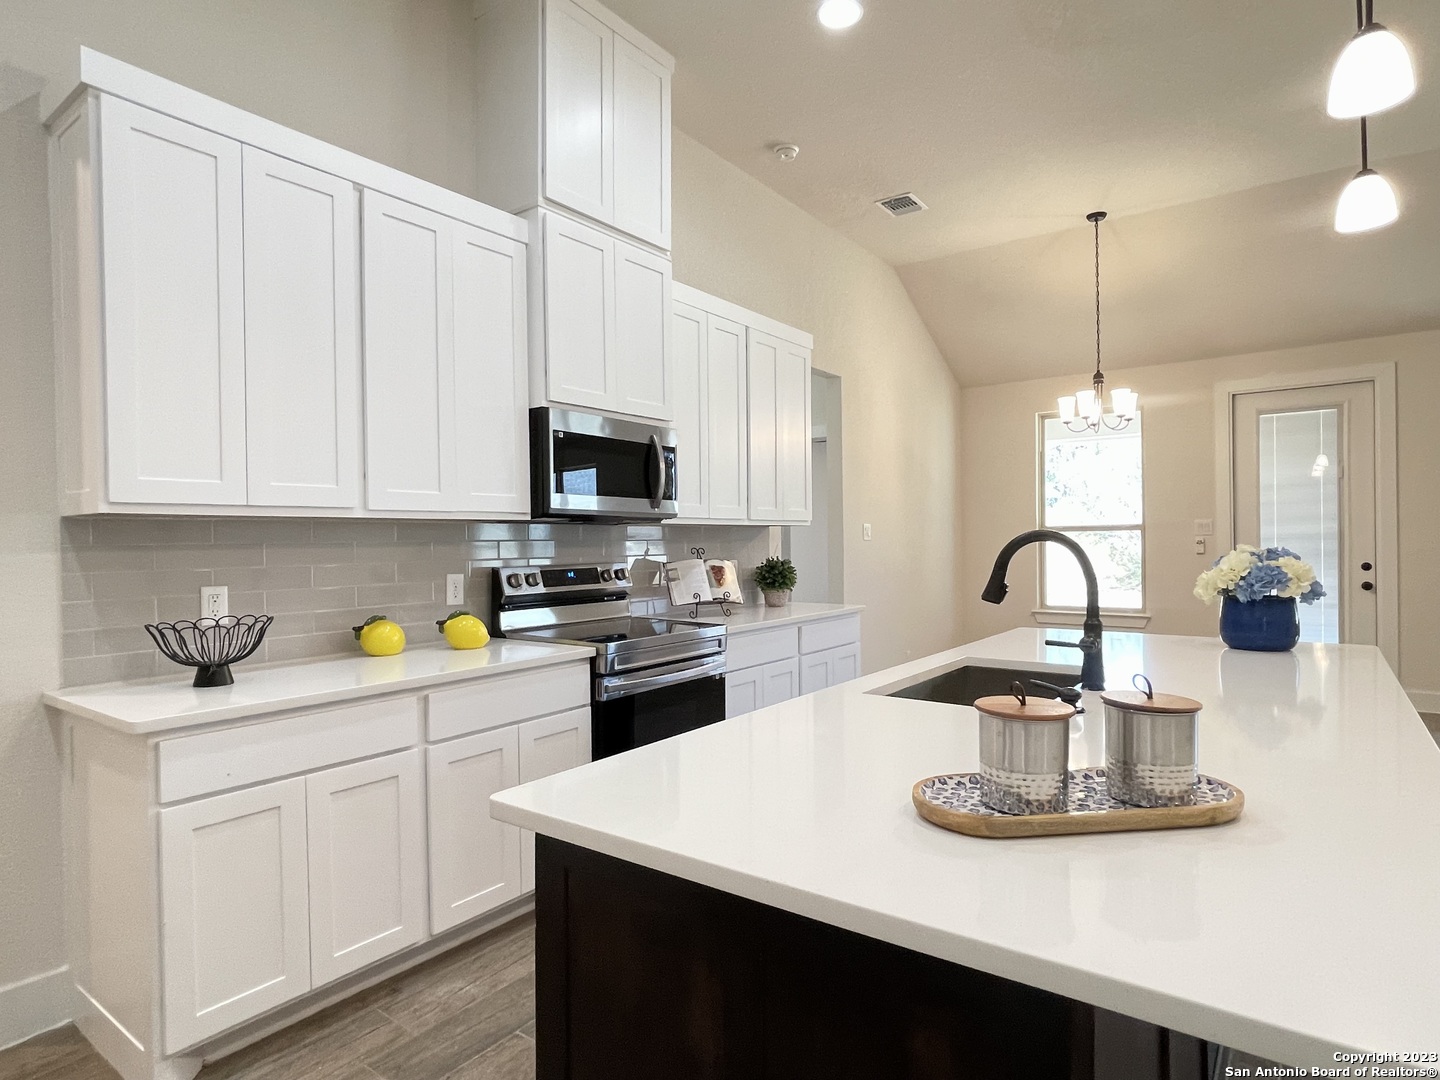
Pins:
x,y
998,448
736,238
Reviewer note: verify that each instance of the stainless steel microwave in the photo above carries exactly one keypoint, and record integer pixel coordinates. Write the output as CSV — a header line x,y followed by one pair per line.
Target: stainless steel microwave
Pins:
x,y
585,465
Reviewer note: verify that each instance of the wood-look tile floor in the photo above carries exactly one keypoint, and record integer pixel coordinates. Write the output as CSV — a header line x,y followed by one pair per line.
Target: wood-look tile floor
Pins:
x,y
466,1015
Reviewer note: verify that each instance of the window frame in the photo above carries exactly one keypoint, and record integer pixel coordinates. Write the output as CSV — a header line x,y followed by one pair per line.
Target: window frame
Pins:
x,y
1136,617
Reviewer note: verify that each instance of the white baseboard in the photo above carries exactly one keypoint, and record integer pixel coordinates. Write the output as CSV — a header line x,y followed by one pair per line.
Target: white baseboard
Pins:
x,y
1426,701
33,1005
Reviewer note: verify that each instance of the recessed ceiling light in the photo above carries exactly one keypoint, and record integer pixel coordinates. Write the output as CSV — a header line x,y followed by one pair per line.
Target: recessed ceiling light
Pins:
x,y
840,14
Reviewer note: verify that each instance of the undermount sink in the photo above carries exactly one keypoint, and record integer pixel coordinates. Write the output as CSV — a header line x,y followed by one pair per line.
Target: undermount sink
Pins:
x,y
971,679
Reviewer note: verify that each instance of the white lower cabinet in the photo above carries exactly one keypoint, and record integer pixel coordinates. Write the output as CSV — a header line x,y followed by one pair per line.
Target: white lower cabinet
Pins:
x,y
474,860
549,745
235,936
780,681
367,863
778,664
828,668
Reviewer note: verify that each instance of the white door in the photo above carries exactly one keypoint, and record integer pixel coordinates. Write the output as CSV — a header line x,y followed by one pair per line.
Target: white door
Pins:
x,y
1305,479
174,311
742,691
765,440
579,313
367,863
579,110
643,374
792,388
780,681
235,927
726,402
474,860
302,335
491,445
549,745
691,411
642,145
409,355
817,671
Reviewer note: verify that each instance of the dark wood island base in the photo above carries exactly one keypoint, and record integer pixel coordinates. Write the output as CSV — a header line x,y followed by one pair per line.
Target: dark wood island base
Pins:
x,y
645,976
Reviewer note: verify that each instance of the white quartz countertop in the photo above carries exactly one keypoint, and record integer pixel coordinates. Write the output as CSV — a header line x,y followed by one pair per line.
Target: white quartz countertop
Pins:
x,y
1311,925
164,704
747,617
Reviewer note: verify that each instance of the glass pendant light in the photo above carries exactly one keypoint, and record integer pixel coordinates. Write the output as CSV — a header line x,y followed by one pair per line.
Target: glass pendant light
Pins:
x,y
1085,409
1374,72
1368,201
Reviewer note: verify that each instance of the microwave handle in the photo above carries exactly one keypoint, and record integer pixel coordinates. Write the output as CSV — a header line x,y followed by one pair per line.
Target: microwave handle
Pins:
x,y
657,476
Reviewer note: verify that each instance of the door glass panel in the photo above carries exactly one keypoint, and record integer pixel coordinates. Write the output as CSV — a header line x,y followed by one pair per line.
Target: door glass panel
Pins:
x,y
1300,503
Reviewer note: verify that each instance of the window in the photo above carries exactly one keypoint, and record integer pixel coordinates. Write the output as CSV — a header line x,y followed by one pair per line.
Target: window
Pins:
x,y
1091,489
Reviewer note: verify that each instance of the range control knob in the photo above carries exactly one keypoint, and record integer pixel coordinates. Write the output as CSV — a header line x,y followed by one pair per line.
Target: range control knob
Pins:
x,y
606,575
513,580
620,574
532,580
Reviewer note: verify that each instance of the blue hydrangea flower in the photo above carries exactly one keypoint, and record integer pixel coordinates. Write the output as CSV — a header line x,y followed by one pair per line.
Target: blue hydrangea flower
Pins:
x,y
1315,592
1263,580
1272,554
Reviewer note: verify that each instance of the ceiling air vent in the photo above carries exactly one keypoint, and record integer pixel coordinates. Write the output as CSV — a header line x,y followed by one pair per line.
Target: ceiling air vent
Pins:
x,y
899,205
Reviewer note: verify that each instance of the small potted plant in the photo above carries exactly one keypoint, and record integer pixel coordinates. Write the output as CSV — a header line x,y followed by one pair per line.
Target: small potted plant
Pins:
x,y
1259,588
775,577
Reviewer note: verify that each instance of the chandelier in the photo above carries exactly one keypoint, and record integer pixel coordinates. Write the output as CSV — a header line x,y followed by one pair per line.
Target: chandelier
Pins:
x,y
1085,411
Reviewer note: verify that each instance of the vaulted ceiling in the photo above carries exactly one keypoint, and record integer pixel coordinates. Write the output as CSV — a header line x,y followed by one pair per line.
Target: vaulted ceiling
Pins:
x,y
1200,127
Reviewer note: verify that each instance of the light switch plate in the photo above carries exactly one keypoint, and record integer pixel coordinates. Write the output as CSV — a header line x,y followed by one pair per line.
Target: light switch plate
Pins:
x,y
865,531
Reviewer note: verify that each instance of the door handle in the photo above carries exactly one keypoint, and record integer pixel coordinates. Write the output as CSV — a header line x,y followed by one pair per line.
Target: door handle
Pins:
x,y
1368,586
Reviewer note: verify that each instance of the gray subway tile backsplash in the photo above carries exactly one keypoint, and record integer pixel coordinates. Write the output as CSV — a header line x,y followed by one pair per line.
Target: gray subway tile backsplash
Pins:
x,y
319,577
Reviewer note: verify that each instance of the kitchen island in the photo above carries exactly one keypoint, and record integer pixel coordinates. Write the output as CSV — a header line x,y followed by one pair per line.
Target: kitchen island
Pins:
x,y
759,897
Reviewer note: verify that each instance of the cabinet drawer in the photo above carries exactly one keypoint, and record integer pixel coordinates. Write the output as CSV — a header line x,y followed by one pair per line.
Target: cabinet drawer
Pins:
x,y
217,760
829,634
495,702
760,647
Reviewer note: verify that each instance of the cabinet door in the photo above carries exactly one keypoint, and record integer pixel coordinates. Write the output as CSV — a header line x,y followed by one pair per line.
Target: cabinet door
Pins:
x,y
579,313
846,664
409,355
691,411
643,371
474,860
367,863
780,681
174,310
763,369
792,388
642,145
491,445
742,691
579,110
727,450
302,335
235,932
817,671
549,745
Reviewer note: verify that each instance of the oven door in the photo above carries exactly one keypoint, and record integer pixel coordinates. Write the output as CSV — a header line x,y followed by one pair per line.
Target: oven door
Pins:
x,y
643,707
584,465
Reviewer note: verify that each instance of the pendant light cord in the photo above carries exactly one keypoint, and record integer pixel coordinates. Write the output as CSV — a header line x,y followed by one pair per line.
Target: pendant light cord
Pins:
x,y
1097,298
1364,145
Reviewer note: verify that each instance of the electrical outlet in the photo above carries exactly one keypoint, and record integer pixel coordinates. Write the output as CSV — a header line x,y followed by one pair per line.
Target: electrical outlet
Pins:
x,y
865,531
214,601
455,588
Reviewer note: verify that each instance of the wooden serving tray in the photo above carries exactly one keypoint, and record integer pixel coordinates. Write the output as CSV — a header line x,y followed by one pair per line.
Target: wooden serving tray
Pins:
x,y
953,802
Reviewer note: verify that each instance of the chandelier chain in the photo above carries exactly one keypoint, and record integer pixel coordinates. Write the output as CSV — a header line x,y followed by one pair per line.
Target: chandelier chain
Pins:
x,y
1097,297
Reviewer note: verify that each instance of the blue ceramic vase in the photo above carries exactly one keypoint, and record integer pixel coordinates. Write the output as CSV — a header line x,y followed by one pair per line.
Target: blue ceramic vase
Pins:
x,y
1269,624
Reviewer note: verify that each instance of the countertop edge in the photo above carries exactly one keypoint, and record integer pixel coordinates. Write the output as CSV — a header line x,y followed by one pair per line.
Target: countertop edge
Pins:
x,y
838,611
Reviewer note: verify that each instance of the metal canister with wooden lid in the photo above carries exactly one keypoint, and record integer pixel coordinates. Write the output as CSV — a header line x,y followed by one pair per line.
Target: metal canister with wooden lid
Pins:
x,y
1024,753
1151,745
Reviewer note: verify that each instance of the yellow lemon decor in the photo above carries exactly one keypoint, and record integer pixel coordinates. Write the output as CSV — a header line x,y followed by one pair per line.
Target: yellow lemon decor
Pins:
x,y
463,630
378,636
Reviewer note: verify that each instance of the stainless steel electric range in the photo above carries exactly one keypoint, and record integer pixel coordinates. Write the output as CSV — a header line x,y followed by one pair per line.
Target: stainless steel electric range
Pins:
x,y
653,677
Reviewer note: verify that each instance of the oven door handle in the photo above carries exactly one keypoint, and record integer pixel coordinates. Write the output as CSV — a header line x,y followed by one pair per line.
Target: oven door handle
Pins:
x,y
611,687
657,473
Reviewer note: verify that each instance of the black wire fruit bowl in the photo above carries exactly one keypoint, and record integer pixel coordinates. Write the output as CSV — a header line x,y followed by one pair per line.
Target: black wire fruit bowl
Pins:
x,y
211,645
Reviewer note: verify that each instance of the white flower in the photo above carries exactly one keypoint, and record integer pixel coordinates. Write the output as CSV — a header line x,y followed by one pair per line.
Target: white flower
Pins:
x,y
1205,587
1232,567
1302,575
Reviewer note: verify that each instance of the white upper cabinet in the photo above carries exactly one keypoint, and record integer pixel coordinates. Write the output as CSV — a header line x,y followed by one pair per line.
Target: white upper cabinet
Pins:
x,y
174,309
779,401
600,92
710,415
691,413
444,363
603,338
302,334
